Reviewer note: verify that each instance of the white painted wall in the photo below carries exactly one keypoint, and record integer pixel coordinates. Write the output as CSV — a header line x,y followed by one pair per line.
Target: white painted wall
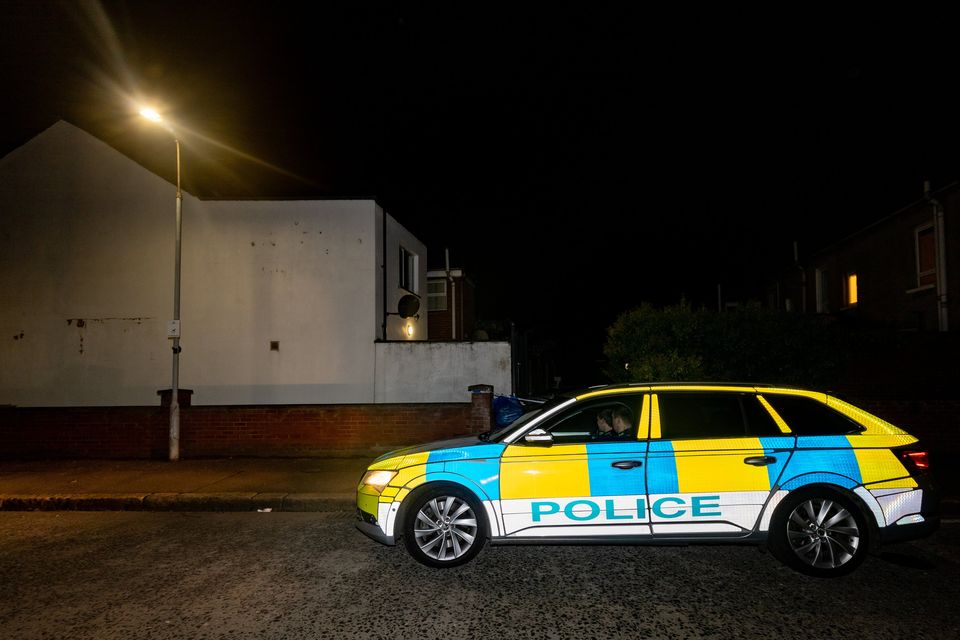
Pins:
x,y
398,236
85,233
301,273
439,371
86,287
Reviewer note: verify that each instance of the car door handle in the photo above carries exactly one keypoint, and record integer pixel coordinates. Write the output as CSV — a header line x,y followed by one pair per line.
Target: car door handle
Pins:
x,y
627,464
759,461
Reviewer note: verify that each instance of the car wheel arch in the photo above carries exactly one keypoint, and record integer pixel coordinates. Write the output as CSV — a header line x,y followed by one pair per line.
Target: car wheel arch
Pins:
x,y
819,488
847,485
410,499
815,478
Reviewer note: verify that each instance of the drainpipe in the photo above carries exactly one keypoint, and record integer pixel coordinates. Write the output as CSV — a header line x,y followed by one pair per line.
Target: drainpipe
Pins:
x,y
940,234
383,268
513,358
803,277
453,298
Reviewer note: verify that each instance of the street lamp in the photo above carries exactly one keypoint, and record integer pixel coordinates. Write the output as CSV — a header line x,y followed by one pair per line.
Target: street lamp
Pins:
x,y
174,331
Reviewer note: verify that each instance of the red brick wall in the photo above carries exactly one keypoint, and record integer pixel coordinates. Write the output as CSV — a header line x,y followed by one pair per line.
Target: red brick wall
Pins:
x,y
84,432
141,432
439,325
301,430
312,430
441,322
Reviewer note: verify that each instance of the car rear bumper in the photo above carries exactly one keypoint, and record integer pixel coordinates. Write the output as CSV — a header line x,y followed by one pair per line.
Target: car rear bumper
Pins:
x,y
915,526
913,531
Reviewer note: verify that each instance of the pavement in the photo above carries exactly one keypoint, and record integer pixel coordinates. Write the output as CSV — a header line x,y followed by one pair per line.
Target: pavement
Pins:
x,y
228,484
223,484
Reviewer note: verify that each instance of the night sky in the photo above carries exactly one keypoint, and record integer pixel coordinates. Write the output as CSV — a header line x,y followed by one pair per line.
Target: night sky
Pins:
x,y
575,160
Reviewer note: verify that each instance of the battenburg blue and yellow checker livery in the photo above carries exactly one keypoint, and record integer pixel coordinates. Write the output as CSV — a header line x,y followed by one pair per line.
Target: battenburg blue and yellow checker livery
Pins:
x,y
553,476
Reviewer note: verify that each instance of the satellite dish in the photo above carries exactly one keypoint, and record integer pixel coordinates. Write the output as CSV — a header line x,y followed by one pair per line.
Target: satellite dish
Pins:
x,y
408,306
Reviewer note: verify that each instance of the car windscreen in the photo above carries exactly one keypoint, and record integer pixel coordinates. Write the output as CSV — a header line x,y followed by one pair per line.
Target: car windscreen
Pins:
x,y
495,435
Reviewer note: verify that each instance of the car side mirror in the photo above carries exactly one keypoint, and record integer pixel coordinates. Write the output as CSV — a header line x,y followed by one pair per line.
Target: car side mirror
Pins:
x,y
539,438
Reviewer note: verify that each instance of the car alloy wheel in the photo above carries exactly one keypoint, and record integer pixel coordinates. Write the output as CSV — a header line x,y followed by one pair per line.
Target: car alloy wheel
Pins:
x,y
445,527
820,531
823,534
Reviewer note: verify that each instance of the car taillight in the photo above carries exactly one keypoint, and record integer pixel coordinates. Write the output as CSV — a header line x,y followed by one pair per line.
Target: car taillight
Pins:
x,y
918,459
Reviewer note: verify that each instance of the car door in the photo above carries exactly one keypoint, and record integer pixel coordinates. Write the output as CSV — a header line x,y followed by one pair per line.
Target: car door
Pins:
x,y
580,485
713,458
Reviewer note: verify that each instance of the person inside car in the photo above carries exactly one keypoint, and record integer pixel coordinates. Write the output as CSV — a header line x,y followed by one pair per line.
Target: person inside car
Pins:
x,y
604,424
622,423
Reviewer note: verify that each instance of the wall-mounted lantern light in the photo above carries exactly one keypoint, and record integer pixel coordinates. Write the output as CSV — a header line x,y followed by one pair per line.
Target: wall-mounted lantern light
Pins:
x,y
407,307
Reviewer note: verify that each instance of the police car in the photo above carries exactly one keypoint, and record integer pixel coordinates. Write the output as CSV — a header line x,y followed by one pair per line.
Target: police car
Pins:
x,y
817,480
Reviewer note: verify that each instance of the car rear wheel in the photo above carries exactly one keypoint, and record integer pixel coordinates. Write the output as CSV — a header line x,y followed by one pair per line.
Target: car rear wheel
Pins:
x,y
819,532
444,527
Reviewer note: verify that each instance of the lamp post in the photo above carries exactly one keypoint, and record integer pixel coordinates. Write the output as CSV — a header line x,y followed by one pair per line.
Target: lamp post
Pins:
x,y
174,331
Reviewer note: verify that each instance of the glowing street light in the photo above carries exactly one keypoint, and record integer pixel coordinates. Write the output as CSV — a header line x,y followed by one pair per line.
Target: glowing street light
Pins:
x,y
151,115
174,331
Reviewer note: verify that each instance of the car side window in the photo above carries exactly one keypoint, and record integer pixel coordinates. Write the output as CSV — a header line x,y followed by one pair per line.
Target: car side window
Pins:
x,y
810,417
597,421
685,415
759,421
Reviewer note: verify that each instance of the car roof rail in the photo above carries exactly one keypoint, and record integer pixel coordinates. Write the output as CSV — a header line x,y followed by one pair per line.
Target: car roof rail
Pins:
x,y
699,383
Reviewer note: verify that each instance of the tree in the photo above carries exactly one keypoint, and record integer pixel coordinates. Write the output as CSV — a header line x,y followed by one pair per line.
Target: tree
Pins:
x,y
751,344
648,344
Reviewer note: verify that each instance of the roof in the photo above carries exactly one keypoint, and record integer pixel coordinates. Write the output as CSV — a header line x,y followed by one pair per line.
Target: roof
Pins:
x,y
921,201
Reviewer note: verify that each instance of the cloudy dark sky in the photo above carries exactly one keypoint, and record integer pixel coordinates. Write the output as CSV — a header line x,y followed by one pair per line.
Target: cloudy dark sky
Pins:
x,y
576,160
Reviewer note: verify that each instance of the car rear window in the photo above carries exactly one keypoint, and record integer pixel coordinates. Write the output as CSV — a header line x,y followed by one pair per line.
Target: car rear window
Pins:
x,y
809,417
713,415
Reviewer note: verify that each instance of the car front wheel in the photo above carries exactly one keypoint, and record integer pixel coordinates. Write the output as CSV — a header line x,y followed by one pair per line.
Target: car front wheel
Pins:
x,y
819,532
445,527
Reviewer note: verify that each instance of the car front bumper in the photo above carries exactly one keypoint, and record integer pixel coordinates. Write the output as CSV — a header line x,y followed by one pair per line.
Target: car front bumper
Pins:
x,y
367,525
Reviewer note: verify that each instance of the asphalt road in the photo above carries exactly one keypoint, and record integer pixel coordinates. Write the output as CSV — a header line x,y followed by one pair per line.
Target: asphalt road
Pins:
x,y
311,575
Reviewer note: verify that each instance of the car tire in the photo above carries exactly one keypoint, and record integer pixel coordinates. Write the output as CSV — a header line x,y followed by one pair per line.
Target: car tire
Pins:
x,y
820,532
444,526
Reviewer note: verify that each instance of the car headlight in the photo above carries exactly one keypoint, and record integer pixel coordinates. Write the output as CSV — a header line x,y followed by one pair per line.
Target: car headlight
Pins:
x,y
378,479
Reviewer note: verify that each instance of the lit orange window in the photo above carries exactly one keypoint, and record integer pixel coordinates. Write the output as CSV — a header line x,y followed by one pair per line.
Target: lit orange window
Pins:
x,y
851,289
